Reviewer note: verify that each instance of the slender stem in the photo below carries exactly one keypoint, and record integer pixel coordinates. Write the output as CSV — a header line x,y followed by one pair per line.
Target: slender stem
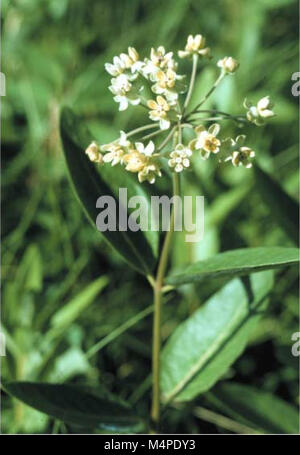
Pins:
x,y
207,119
148,136
186,125
236,118
222,421
179,133
166,140
142,128
155,411
213,111
221,76
118,331
192,82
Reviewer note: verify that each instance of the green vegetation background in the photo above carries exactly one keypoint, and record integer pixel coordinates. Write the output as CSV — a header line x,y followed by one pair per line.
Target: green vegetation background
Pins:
x,y
53,54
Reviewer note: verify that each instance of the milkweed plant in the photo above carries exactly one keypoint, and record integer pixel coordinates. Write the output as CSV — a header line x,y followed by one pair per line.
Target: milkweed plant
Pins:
x,y
168,109
201,349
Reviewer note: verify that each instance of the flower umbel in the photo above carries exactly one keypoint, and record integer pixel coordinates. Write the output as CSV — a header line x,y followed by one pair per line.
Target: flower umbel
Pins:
x,y
133,78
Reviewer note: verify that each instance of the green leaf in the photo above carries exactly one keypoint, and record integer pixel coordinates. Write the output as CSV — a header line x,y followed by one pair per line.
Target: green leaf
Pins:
x,y
78,405
283,208
30,271
256,408
137,248
236,263
203,347
69,312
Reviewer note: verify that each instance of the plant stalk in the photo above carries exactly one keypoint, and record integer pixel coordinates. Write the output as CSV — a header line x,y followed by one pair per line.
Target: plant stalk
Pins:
x,y
221,76
192,82
158,286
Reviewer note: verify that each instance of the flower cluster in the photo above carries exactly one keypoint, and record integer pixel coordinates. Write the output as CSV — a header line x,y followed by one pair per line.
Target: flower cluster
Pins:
x,y
136,157
131,75
134,78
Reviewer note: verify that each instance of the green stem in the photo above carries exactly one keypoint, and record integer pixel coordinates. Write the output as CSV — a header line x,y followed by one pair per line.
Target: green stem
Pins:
x,y
155,411
118,331
142,128
148,136
192,82
221,76
225,115
167,139
222,421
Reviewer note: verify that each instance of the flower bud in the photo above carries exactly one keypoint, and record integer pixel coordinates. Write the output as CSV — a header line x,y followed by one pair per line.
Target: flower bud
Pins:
x,y
93,152
228,64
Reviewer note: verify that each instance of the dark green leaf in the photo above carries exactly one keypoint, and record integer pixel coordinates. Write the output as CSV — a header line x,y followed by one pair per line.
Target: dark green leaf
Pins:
x,y
256,408
236,263
203,347
138,248
283,208
78,405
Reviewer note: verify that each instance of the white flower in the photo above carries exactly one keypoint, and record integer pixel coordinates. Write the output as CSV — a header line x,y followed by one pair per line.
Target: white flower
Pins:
x,y
149,172
120,85
125,62
164,81
93,152
206,140
122,89
116,149
159,112
228,64
195,45
115,154
147,151
124,101
179,158
137,158
116,68
243,157
240,155
123,141
259,113
141,161
159,59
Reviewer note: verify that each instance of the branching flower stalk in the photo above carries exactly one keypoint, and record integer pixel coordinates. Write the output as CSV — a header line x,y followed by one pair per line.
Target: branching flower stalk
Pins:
x,y
168,110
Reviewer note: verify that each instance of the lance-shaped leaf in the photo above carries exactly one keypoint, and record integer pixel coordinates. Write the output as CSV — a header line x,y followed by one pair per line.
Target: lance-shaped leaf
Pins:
x,y
82,406
137,248
256,408
283,208
203,347
236,263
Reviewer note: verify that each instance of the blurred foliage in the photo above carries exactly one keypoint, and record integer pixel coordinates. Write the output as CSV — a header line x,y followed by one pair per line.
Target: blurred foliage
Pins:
x,y
53,261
